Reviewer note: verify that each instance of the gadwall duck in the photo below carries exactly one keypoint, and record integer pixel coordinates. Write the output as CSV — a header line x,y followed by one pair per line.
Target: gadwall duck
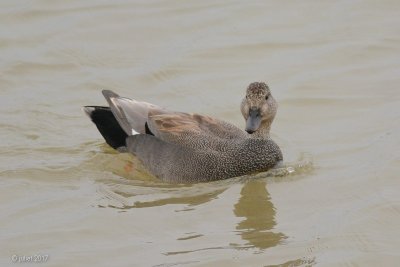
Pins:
x,y
183,147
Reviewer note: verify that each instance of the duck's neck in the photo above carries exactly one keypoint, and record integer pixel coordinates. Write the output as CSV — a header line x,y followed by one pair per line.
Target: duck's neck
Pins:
x,y
263,131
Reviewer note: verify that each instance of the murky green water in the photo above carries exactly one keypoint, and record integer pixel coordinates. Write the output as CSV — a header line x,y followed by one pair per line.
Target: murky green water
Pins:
x,y
332,66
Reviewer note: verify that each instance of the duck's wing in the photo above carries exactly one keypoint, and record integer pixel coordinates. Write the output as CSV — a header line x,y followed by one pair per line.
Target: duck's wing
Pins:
x,y
131,115
184,129
191,130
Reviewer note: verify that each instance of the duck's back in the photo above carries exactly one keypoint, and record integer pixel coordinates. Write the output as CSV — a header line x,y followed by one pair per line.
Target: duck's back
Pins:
x,y
194,131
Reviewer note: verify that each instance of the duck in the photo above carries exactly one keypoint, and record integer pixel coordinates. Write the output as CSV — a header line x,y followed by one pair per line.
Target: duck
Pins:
x,y
182,147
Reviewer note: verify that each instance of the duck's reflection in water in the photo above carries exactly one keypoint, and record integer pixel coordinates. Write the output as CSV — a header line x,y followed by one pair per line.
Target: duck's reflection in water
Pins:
x,y
258,214
166,196
127,194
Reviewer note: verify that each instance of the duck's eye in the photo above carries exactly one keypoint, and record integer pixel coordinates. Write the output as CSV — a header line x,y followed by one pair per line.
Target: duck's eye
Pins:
x,y
247,97
266,97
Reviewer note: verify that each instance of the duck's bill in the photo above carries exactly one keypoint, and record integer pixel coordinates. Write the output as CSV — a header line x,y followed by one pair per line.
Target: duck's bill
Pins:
x,y
253,121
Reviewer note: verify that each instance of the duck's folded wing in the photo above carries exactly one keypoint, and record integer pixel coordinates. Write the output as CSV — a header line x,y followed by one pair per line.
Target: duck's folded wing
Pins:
x,y
131,114
192,130
189,130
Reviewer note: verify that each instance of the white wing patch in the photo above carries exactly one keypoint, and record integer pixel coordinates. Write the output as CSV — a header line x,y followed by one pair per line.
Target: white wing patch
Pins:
x,y
134,132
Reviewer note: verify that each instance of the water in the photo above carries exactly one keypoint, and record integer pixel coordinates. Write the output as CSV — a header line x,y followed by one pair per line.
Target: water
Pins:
x,y
332,66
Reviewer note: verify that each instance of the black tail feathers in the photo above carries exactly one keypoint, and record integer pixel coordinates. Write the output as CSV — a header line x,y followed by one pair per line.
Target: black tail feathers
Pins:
x,y
107,125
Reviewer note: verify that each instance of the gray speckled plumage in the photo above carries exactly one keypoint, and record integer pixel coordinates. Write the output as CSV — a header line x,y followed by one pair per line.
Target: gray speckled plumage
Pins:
x,y
182,147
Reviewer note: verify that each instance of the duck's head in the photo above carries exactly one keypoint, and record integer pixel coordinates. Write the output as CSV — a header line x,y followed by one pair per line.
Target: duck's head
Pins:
x,y
258,109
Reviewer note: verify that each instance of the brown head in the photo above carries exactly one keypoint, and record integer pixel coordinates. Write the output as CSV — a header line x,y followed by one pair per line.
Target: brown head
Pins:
x,y
258,109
